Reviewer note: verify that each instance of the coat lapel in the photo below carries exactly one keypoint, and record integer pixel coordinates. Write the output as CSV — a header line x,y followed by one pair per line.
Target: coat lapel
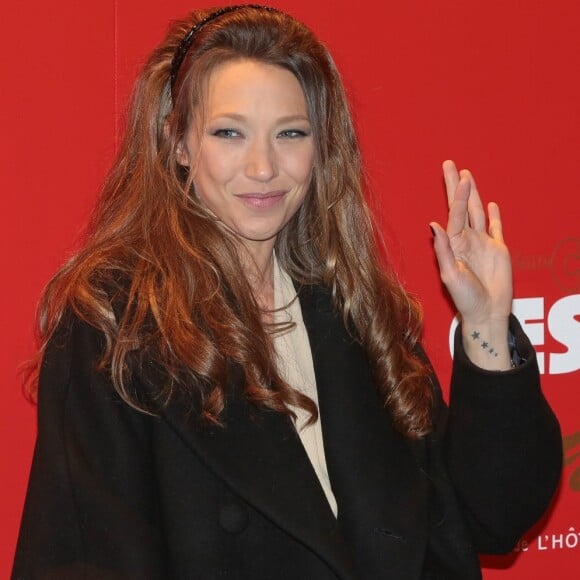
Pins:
x,y
380,489
259,455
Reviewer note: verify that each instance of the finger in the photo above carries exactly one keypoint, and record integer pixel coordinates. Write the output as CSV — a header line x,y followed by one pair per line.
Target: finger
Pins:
x,y
457,220
443,252
495,225
466,174
475,208
451,177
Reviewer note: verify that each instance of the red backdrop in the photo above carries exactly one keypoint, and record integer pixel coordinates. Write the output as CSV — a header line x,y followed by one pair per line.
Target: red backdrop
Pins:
x,y
493,85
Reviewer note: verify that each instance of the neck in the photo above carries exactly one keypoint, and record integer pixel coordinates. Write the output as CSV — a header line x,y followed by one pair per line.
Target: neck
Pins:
x,y
259,266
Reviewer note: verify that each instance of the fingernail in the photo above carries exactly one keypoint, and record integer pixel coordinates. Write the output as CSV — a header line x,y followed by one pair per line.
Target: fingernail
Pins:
x,y
432,230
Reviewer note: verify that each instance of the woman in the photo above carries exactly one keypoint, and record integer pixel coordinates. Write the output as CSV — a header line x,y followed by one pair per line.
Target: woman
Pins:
x,y
232,387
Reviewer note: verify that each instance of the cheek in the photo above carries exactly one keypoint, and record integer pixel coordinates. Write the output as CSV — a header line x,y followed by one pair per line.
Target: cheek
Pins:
x,y
301,167
215,167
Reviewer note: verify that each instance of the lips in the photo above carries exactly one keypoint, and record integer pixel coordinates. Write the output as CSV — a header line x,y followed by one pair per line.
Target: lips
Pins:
x,y
262,200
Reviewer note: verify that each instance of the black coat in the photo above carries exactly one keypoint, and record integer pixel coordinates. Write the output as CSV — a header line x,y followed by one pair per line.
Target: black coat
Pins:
x,y
115,493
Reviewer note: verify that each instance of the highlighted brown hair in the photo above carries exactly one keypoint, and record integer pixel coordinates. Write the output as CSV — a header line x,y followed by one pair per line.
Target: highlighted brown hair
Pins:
x,y
162,278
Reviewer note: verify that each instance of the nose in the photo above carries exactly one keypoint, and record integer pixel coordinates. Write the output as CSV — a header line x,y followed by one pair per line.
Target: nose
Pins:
x,y
261,160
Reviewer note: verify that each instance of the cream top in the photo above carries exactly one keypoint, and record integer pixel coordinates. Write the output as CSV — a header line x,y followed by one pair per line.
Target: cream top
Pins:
x,y
295,364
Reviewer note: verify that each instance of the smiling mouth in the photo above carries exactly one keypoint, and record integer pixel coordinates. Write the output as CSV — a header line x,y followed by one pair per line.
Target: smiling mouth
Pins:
x,y
262,200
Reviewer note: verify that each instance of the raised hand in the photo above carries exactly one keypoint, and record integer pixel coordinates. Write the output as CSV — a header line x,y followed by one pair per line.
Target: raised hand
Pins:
x,y
475,266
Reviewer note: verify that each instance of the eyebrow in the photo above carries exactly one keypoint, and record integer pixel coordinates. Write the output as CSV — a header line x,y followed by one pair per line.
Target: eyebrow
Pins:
x,y
242,118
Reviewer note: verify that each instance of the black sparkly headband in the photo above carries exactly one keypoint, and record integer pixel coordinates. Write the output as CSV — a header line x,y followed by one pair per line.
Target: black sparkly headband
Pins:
x,y
188,38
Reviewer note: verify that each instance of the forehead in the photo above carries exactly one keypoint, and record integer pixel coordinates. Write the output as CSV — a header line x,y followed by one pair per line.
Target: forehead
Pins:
x,y
252,86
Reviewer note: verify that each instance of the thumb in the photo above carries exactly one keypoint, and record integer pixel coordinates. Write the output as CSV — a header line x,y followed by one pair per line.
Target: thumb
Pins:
x,y
443,252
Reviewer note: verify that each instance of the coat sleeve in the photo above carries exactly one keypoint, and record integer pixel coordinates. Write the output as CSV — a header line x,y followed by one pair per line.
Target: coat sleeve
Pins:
x,y
90,510
503,447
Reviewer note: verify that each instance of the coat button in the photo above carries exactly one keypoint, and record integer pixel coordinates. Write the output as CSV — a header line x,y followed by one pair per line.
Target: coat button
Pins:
x,y
234,518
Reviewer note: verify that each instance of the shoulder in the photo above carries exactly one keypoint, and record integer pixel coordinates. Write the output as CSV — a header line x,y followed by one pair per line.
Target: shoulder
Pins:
x,y
72,370
72,345
76,393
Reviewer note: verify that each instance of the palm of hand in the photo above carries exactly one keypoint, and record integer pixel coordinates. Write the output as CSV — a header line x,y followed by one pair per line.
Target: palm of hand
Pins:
x,y
474,261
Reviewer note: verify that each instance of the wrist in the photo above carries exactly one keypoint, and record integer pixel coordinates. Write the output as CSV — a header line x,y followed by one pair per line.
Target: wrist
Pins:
x,y
486,344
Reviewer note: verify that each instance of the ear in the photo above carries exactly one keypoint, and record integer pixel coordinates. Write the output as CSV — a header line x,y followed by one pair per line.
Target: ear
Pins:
x,y
182,153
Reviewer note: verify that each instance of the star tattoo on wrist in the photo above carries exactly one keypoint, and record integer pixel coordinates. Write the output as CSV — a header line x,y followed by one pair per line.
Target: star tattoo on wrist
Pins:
x,y
475,335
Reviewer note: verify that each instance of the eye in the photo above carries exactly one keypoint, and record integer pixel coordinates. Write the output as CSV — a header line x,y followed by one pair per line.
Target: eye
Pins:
x,y
226,133
293,133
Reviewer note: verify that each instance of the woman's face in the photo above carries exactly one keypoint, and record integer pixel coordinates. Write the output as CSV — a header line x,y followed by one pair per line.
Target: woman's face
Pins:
x,y
252,155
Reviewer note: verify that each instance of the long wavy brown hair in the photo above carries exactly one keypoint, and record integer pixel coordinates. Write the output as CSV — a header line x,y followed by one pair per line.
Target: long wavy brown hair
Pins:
x,y
162,279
